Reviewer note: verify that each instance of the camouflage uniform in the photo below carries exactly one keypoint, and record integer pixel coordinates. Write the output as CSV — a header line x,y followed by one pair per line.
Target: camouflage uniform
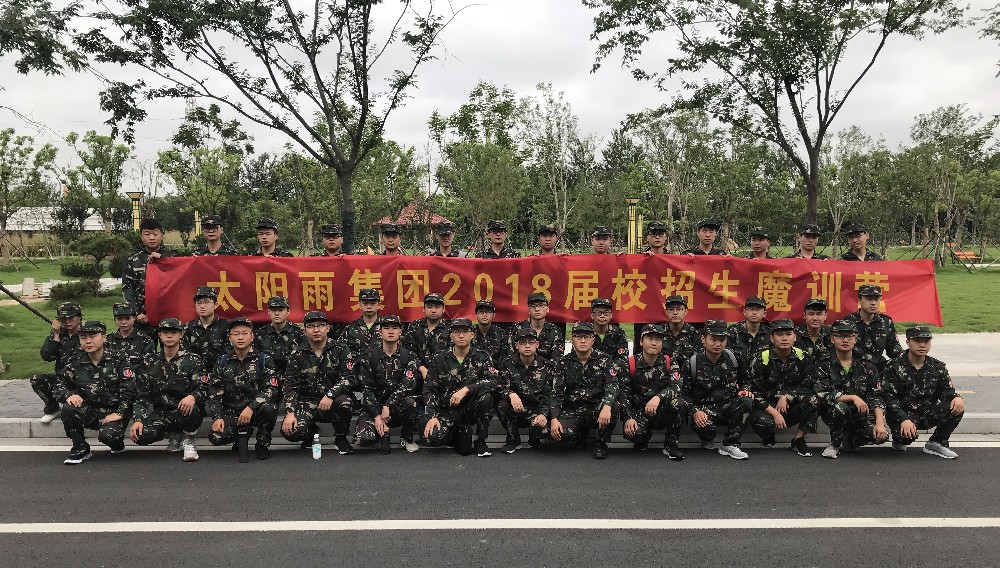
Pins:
x,y
581,390
698,252
877,338
134,277
445,376
63,352
208,343
551,340
715,391
496,342
278,251
680,346
361,339
820,349
424,344
134,348
771,378
309,378
922,396
815,256
848,427
533,385
160,388
279,344
107,387
505,252
225,250
387,380
869,255
614,343
746,346
638,388
236,384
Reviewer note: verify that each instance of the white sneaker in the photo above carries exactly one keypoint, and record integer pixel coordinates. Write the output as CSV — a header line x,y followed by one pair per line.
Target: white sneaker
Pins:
x,y
190,452
409,446
940,450
174,442
48,418
831,452
733,451
710,445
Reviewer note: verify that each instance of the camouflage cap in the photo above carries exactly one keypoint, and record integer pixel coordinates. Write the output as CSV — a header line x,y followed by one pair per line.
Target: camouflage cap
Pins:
x,y
653,329
459,323
549,229
601,231
315,316
170,324
675,299
93,326
755,302
123,309
760,232
390,320
583,328
655,227
433,298
526,332
783,324
265,223
390,229
369,295
710,223
240,321
277,302
851,228
445,228
486,305
331,230
68,310
205,292
919,332
717,328
537,298
869,291
810,229
496,227
816,304
211,221
600,303
842,326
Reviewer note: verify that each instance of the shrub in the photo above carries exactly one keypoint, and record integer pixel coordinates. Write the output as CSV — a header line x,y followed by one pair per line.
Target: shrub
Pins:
x,y
74,290
82,269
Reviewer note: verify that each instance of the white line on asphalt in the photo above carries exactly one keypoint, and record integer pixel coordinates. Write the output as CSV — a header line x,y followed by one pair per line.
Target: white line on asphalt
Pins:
x,y
502,524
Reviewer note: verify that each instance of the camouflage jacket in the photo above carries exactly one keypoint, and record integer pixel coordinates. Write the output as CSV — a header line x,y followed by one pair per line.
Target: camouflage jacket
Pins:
x,y
820,349
423,344
361,339
876,339
683,345
909,392
815,256
614,343
698,252
505,252
496,342
869,255
225,250
551,340
583,386
134,277
771,378
63,351
446,375
455,253
532,383
278,251
108,386
162,384
711,384
134,348
208,343
861,379
236,384
279,344
648,381
309,377
746,346
386,379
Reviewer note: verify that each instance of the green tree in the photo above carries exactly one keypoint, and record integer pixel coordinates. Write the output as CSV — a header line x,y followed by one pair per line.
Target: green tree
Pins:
x,y
101,171
23,172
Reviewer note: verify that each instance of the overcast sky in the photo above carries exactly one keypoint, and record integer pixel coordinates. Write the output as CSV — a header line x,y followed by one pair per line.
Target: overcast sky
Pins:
x,y
522,42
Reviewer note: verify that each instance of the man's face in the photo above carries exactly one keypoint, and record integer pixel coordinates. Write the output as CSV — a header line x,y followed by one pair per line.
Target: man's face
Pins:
x,y
808,242
783,339
241,337
445,239
333,243
278,315
857,241
582,342
754,314
652,344
368,308
390,241
676,313
601,316
600,244
433,312
213,233
656,239
170,338
390,332
815,318
71,323
461,337
919,346
844,342
91,341
706,235
759,244
869,304
714,344
125,324
485,317
152,238
266,238
317,331
496,237
204,307
527,347
547,241
538,311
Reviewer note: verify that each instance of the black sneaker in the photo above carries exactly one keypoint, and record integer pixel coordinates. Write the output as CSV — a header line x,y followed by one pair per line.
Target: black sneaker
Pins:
x,y
511,445
600,450
242,448
261,451
800,447
534,442
482,450
308,441
78,454
672,451
640,446
581,442
767,443
343,446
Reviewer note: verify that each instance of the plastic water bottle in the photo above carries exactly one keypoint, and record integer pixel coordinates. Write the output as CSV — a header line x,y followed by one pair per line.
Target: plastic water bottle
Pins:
x,y
317,447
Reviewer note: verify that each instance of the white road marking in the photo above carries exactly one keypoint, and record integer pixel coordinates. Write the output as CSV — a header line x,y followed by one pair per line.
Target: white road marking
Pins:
x,y
503,524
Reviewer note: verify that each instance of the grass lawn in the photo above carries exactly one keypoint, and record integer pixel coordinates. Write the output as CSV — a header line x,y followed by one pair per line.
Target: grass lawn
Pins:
x,y
47,270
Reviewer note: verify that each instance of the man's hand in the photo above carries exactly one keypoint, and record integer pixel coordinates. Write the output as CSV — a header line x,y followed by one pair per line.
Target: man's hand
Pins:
x,y
880,432
186,405
385,414
782,406
289,424
908,429
700,418
135,431
432,425
456,398
56,328
861,405
957,406
113,417
74,400
604,418
779,420
380,426
142,318
218,426
325,403
515,403
630,427
556,430
153,256
540,421
652,406
244,417
745,393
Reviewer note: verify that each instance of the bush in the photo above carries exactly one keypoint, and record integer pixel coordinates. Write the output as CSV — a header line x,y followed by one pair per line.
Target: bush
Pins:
x,y
82,269
74,290
117,266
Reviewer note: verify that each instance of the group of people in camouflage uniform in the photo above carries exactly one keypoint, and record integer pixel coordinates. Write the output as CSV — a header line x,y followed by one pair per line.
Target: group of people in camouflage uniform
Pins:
x,y
442,381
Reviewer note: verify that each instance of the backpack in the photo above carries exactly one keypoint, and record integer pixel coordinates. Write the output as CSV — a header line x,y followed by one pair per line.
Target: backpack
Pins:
x,y
693,362
631,363
765,355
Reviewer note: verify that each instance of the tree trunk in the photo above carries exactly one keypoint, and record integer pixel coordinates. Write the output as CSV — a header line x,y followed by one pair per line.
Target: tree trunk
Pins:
x,y
812,188
4,245
348,217
307,240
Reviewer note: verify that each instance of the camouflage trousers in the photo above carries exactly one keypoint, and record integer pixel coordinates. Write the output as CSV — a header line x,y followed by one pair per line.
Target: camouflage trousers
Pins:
x,y
803,411
735,414
669,417
44,386
403,414
156,426
308,415
75,420
474,410
578,422
848,427
263,420
938,416
513,421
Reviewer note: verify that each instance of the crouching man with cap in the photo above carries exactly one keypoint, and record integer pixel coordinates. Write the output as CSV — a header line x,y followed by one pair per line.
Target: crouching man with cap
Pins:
x,y
651,396
239,394
458,394
169,399
919,394
524,387
98,391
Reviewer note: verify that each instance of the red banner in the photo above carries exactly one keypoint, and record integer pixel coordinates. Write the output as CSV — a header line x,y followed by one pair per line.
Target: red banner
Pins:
x,y
715,287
